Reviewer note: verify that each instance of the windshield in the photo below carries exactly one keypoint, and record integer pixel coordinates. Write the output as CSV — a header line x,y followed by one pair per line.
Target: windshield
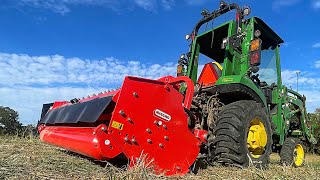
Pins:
x,y
268,66
210,42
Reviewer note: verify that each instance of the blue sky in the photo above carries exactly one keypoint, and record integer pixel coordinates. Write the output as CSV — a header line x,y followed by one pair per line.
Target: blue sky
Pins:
x,y
60,49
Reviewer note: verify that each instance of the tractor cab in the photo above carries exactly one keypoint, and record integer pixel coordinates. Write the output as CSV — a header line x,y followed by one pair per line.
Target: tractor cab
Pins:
x,y
220,47
264,58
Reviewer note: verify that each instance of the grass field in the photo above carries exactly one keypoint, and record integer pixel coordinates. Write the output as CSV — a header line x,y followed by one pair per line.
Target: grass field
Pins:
x,y
29,158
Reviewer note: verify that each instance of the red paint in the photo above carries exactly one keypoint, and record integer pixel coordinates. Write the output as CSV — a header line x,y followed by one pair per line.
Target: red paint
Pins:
x,y
208,75
164,137
59,104
201,135
83,140
180,150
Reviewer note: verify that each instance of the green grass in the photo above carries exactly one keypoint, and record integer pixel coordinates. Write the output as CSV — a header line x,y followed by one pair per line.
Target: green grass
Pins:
x,y
28,158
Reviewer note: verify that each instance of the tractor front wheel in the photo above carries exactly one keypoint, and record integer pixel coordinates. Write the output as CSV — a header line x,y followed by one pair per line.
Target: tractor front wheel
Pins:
x,y
292,152
243,135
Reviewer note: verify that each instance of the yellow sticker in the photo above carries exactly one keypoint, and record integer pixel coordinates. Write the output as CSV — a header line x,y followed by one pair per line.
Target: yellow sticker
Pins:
x,y
227,79
117,125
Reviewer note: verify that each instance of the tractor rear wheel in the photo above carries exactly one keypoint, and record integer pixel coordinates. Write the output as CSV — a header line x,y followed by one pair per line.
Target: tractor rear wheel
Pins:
x,y
243,135
292,152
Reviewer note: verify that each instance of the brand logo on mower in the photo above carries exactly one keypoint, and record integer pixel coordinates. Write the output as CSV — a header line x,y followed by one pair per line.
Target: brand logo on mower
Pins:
x,y
161,114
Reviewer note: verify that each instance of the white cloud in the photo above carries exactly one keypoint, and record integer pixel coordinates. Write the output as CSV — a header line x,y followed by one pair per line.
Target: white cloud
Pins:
x,y
57,7
316,4
167,4
26,82
316,45
195,2
313,99
306,79
65,6
309,85
287,44
277,4
149,5
21,69
317,64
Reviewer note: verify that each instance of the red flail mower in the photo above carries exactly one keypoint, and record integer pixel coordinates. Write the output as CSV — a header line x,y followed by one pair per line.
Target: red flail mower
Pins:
x,y
143,117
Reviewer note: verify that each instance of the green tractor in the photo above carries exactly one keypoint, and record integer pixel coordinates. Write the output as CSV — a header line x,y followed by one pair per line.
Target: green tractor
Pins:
x,y
239,97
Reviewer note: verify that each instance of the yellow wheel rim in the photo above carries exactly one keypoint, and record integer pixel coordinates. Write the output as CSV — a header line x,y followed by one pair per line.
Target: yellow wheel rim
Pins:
x,y
257,138
298,155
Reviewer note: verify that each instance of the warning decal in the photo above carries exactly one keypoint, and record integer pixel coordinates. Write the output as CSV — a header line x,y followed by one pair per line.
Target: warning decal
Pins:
x,y
117,125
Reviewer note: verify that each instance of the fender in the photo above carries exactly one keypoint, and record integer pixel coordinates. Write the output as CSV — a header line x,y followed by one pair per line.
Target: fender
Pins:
x,y
235,88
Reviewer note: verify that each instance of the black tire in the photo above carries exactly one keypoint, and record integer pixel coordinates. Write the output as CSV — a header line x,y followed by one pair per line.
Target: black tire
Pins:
x,y
231,135
288,153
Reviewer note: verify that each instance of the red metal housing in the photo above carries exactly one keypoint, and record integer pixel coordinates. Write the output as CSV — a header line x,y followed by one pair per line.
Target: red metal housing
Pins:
x,y
143,117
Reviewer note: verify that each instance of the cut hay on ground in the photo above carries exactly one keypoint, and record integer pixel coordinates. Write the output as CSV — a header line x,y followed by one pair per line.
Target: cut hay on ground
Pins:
x,y
31,159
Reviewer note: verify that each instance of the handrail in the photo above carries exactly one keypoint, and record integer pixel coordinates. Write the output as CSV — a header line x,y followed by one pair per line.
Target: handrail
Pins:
x,y
217,13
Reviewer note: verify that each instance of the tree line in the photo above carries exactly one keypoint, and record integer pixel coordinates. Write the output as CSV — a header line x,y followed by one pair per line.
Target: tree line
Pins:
x,y
10,124
315,123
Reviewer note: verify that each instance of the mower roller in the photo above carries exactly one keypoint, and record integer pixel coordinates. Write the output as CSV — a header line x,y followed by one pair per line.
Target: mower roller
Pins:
x,y
236,113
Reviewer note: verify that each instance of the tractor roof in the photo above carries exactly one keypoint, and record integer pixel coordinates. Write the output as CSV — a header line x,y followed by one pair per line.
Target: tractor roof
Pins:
x,y
268,36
